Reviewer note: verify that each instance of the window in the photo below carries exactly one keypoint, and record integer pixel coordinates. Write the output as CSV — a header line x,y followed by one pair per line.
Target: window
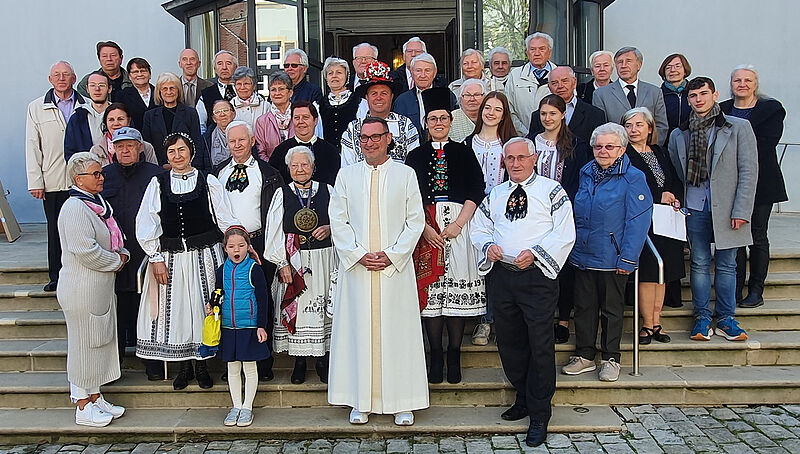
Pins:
x,y
203,39
505,23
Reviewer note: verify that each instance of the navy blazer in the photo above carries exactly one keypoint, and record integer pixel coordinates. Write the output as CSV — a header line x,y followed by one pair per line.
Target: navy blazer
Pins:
x,y
154,130
407,105
136,107
399,76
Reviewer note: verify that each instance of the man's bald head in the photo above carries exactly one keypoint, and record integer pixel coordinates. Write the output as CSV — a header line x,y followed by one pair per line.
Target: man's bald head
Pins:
x,y
189,61
62,78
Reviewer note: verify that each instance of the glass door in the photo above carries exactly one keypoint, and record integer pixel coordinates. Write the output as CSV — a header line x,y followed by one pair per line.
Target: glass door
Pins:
x,y
313,29
276,32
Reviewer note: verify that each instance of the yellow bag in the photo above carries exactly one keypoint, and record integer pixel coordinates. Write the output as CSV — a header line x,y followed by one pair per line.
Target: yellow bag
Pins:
x,y
211,329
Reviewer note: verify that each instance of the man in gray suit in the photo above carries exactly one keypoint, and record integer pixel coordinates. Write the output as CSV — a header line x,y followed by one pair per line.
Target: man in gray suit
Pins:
x,y
716,158
628,92
189,62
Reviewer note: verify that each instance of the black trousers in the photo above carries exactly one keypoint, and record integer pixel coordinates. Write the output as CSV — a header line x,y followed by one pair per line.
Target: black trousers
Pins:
x,y
127,314
599,294
269,273
53,201
566,292
759,252
524,304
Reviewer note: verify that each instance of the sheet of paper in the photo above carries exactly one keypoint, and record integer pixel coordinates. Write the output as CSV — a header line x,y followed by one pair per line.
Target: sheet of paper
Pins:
x,y
668,222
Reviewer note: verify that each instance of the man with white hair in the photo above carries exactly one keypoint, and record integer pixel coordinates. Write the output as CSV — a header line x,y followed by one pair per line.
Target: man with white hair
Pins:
x,y
471,63
409,104
402,75
250,184
524,232
601,63
628,92
527,85
363,55
193,85
225,64
45,165
499,66
295,63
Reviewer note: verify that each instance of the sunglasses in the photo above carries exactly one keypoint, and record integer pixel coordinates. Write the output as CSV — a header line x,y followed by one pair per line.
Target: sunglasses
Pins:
x,y
292,65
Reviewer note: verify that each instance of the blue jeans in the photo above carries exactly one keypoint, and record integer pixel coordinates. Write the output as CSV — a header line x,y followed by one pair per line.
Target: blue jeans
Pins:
x,y
700,232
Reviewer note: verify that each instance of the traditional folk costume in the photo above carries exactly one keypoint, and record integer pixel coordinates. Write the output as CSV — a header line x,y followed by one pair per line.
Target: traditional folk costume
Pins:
x,y
490,157
377,354
179,224
302,324
534,215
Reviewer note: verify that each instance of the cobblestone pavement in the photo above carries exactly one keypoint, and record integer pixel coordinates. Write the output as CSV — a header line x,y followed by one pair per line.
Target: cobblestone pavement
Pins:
x,y
730,430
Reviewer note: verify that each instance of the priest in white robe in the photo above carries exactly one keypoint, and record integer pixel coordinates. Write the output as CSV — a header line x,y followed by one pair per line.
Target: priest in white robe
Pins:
x,y
524,232
377,361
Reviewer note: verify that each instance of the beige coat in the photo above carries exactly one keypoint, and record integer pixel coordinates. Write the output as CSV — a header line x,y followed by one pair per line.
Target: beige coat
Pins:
x,y
524,93
86,296
44,144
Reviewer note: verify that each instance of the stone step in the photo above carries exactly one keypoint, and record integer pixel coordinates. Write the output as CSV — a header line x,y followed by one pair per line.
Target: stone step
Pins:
x,y
785,285
181,424
781,260
763,348
32,325
27,297
23,275
693,385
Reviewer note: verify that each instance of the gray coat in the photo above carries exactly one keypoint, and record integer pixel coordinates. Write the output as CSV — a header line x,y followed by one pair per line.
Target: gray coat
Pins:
x,y
86,296
613,100
734,172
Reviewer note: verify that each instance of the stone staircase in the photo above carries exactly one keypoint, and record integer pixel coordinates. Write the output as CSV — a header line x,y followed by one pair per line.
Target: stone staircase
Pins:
x,y
34,404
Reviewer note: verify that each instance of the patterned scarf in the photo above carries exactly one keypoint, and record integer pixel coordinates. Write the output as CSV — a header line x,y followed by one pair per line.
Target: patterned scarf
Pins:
x,y
238,180
102,209
697,165
517,204
296,288
283,118
599,174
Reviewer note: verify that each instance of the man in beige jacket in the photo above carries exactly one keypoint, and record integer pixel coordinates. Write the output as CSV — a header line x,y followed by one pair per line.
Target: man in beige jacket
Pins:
x,y
45,166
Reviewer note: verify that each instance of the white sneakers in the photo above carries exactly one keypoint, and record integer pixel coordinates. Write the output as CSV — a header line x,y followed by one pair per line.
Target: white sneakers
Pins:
x,y
358,417
481,334
98,413
405,418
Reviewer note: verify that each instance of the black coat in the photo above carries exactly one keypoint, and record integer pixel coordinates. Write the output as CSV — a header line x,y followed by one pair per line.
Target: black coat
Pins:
x,y
270,182
124,189
584,119
465,177
210,95
678,109
154,130
672,183
585,91
326,160
766,118
336,118
399,76
136,107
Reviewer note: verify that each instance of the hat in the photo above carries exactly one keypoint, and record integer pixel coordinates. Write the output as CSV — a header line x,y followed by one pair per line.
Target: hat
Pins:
x,y
377,72
437,98
126,133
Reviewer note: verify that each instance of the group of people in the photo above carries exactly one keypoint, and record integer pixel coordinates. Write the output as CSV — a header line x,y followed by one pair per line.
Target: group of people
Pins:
x,y
340,225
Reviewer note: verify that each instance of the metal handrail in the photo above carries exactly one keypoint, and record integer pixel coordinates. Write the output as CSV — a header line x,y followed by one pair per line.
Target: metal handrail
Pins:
x,y
652,247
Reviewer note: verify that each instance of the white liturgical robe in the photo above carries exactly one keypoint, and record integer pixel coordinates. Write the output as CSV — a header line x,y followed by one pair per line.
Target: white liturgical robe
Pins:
x,y
377,360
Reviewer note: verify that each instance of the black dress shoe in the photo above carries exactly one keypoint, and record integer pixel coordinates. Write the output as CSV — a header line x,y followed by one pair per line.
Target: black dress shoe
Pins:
x,y
51,286
204,380
561,333
322,369
537,434
299,372
751,301
515,413
185,373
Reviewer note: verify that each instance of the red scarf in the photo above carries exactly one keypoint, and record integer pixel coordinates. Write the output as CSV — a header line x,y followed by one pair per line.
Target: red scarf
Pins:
x,y
428,260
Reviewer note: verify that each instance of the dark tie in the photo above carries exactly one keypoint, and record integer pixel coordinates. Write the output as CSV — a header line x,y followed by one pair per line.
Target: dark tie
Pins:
x,y
304,144
229,92
631,95
541,76
517,204
190,101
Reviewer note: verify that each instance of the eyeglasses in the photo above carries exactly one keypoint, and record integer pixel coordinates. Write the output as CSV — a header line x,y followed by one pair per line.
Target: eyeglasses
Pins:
x,y
221,112
374,137
94,85
277,89
292,65
471,95
97,174
367,58
607,147
442,119
134,72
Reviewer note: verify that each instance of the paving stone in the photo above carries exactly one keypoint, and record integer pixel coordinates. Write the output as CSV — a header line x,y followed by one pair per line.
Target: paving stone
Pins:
x,y
739,426
686,428
626,414
215,451
621,448
558,441
424,439
792,445
50,448
397,446
637,431
269,450
666,437
345,447
795,430
221,445
705,422
645,446
775,450
132,446
610,438
694,411
73,448
721,435
677,449
671,414
248,446
426,448
371,445
505,442
582,436
724,413
744,409
770,410
651,422
641,409
588,447
793,409
569,450
737,448
478,446
785,420
776,432
756,439
22,449
701,444
452,445
756,418
541,449
506,451
145,448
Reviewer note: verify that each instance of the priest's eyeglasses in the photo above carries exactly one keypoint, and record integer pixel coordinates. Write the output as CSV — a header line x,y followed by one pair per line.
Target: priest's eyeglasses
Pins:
x,y
97,174
363,138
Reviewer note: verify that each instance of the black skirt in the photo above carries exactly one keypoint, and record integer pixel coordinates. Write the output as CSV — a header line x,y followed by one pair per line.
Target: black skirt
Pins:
x,y
671,252
242,345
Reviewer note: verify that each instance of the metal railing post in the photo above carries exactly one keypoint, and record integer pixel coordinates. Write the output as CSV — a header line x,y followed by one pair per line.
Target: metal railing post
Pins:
x,y
660,261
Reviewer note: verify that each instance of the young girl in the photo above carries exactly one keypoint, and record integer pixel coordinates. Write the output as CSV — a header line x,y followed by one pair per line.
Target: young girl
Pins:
x,y
244,322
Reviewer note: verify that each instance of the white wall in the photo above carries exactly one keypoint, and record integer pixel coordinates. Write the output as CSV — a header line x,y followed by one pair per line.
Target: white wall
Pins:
x,y
38,33
733,32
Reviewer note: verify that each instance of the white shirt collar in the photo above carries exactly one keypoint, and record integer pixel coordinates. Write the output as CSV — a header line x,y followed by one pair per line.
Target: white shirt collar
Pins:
x,y
624,84
439,145
312,141
527,182
190,82
250,162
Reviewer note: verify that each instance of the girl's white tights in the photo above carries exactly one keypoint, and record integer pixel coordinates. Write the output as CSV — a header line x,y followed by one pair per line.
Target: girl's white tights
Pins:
x,y
235,383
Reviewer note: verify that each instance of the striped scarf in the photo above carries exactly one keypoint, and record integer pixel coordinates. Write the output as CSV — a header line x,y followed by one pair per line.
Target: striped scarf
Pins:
x,y
697,163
